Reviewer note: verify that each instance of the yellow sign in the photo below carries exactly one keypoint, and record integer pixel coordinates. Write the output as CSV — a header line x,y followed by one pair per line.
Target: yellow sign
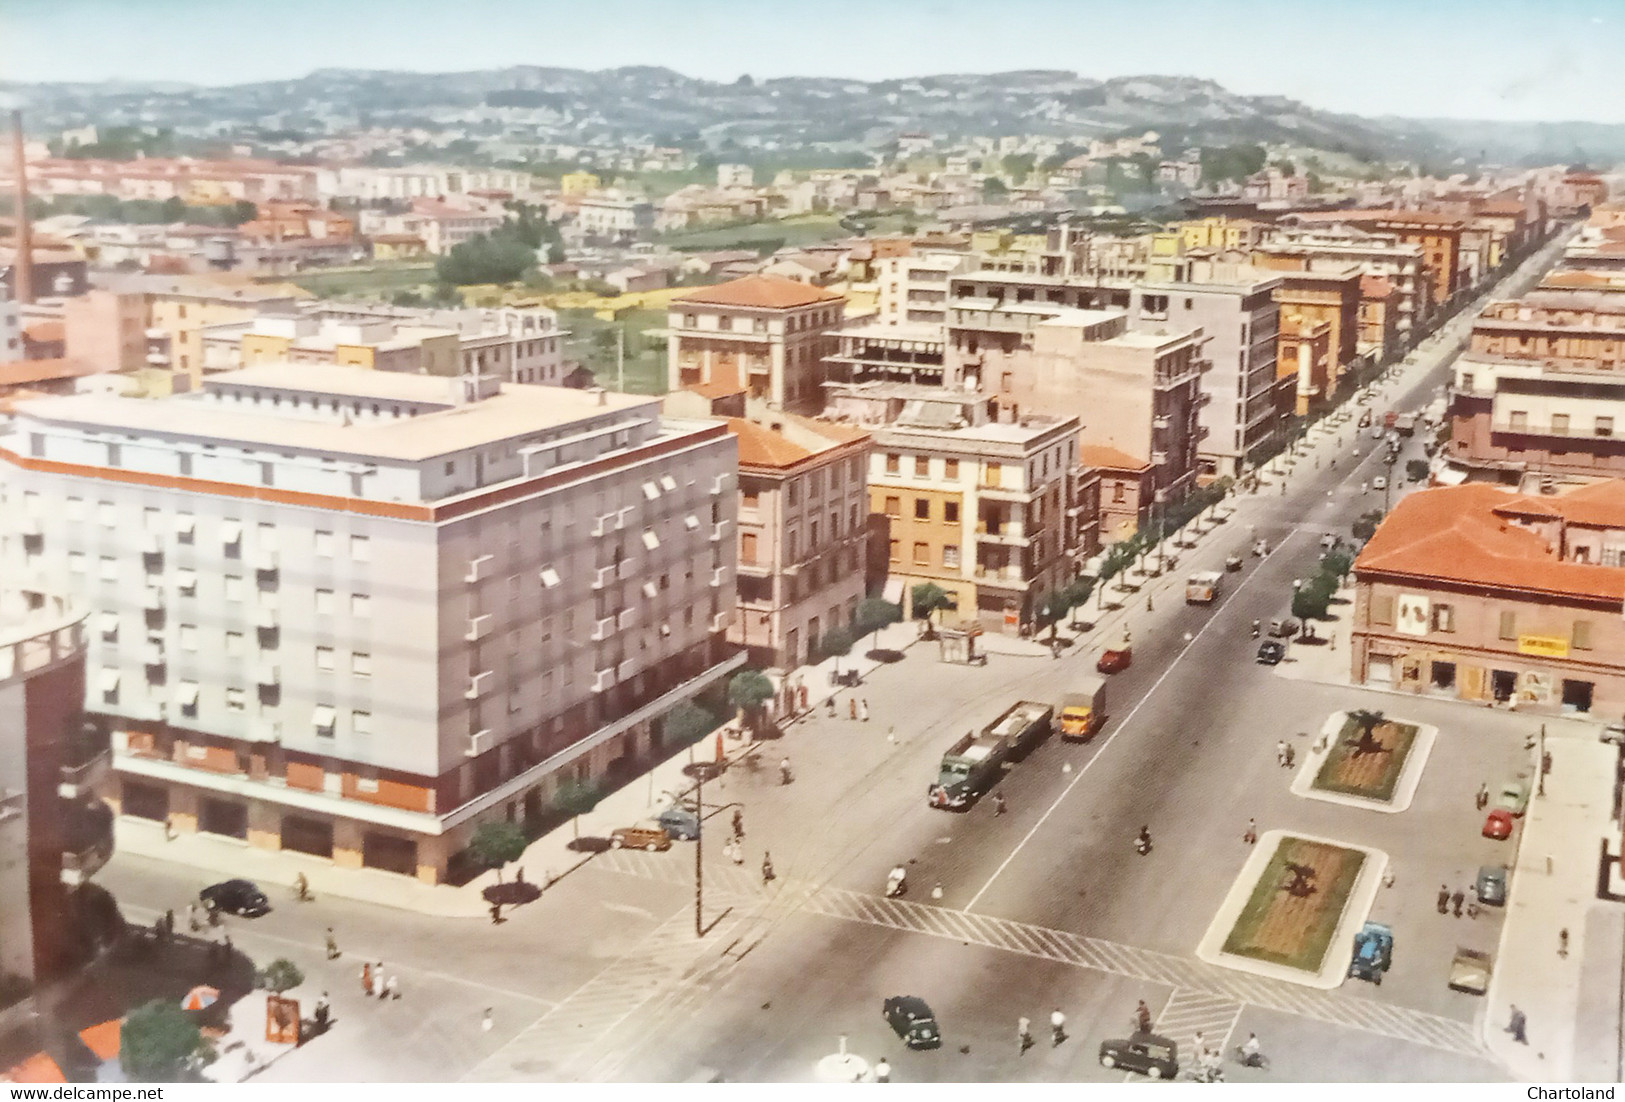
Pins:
x,y
1546,646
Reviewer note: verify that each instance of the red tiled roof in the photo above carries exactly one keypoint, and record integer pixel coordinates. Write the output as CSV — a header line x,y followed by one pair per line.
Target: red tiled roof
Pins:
x,y
764,292
1599,505
1419,217
38,1068
716,390
19,372
1106,458
1452,534
762,447
1375,287
48,331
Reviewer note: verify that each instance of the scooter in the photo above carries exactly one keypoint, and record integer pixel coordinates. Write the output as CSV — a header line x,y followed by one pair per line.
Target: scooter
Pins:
x,y
1255,629
1142,843
896,883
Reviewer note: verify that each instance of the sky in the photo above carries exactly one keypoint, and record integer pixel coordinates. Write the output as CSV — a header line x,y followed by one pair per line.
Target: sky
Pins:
x,y
1523,60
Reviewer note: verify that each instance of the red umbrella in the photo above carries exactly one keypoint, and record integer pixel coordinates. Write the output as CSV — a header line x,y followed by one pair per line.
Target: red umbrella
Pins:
x,y
200,998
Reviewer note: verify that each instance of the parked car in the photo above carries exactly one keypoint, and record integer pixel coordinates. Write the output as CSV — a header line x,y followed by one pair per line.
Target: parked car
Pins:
x,y
681,823
1115,660
1373,952
1146,1053
651,838
1270,652
1285,628
911,1019
1379,483
1498,824
1491,885
1514,796
1470,972
237,897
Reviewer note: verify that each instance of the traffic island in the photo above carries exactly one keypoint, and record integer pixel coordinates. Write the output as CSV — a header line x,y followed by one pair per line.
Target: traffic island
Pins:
x,y
1366,759
1293,911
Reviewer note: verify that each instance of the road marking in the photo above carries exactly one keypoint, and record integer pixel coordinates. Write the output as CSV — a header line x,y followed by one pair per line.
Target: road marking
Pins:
x,y
1117,730
1189,1012
406,970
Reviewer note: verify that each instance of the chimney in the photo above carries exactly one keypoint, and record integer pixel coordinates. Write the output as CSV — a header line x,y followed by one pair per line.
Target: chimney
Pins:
x,y
22,277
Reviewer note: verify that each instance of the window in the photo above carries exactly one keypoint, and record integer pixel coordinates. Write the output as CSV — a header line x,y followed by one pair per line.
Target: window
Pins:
x,y
1518,420
1117,492
950,512
725,323
950,468
234,644
894,551
361,664
186,582
1581,637
324,602
1382,609
994,474
894,507
894,463
324,544
234,588
950,555
1509,625
107,513
1444,618
922,467
361,724
185,527
322,717
922,508
922,554
188,637
1605,426
650,540
1560,422
550,577
747,548
324,659
750,499
236,700
107,567
76,561
360,605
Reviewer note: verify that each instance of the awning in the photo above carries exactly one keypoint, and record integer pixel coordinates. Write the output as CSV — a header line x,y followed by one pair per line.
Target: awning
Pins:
x,y
107,681
186,693
650,540
185,524
894,590
108,622
323,716
231,532
1449,476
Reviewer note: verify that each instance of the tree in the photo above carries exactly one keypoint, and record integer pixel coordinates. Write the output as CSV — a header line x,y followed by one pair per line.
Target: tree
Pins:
x,y
1366,526
1017,166
495,843
486,259
688,723
1054,607
928,597
1314,599
1416,470
836,643
575,799
748,690
994,188
281,975
160,1043
873,614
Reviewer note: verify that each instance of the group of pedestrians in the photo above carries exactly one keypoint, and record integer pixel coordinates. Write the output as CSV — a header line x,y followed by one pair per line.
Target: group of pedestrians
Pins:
x,y
857,708
1057,1031
376,983
1451,901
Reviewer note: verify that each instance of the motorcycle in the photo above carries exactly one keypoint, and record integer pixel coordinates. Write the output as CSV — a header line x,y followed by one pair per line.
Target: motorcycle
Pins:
x,y
896,883
1142,842
1255,629
1252,1059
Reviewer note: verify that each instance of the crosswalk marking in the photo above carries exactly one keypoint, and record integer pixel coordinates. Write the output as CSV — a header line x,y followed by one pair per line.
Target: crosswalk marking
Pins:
x,y
1195,978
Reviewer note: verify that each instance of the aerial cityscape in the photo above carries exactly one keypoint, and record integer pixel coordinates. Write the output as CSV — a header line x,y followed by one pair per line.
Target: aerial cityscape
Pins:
x,y
638,545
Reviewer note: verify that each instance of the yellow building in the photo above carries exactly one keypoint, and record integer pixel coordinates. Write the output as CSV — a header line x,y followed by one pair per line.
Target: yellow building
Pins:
x,y
1220,232
579,183
990,241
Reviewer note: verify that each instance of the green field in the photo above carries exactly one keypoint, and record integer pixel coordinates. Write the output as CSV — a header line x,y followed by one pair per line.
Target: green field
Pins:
x,y
761,236
1295,932
592,342
1372,776
379,281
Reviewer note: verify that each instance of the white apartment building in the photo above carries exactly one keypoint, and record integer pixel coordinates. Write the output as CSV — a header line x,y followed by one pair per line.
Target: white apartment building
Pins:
x,y
354,613
417,182
915,288
614,217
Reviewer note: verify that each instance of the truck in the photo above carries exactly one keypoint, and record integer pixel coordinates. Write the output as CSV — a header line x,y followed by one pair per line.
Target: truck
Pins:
x,y
1389,418
1405,424
973,764
1082,712
1202,588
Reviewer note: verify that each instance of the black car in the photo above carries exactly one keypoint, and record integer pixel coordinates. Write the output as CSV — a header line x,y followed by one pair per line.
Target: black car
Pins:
x,y
912,1020
1270,652
1146,1053
238,897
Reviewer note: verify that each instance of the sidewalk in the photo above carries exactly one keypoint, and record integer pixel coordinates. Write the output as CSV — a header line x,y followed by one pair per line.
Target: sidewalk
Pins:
x,y
1555,888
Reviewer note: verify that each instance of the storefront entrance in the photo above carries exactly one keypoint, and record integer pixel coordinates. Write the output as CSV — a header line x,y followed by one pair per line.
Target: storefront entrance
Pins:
x,y
225,817
310,836
1576,696
1503,683
390,853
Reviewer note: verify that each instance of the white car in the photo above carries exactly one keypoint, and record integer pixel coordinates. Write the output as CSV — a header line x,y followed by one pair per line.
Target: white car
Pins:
x,y
1379,483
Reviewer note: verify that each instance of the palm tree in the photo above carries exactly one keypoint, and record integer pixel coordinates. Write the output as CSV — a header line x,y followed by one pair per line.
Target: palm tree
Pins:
x,y
1367,742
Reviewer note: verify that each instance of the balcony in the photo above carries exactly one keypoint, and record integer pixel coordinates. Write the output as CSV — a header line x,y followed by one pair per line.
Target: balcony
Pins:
x,y
265,560
152,654
153,599
478,569
603,629
479,742
606,524
721,620
265,618
151,543
1161,424
1158,459
603,680
626,619
1546,428
624,569
87,839
265,730
478,628
719,531
625,670
79,781
719,577
478,685
267,673
603,576
1009,533
1001,577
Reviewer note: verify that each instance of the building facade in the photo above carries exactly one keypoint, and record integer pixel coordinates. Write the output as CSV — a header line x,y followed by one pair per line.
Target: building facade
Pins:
x,y
354,614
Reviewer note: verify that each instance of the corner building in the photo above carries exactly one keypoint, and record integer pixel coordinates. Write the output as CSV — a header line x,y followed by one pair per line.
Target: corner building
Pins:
x,y
353,613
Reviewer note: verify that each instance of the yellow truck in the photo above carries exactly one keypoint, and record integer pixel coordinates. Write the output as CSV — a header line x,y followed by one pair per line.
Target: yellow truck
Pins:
x,y
1202,588
1082,712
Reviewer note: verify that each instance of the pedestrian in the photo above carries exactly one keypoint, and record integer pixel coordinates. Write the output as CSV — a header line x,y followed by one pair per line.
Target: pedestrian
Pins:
x,y
485,1020
1483,798
1199,1044
1142,1017
863,709
739,824
767,868
1444,899
852,707
1563,942
1457,897
829,703
301,888
882,1071
738,854
192,922
1251,837
1516,1026
169,924
1280,751
496,914
321,1013
1291,755
784,771
1057,1027
392,988
801,689
1024,1035
366,979
332,945
998,803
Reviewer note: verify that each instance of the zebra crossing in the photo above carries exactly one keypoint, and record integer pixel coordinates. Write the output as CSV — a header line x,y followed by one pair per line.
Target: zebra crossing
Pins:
x,y
1190,1014
1191,979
